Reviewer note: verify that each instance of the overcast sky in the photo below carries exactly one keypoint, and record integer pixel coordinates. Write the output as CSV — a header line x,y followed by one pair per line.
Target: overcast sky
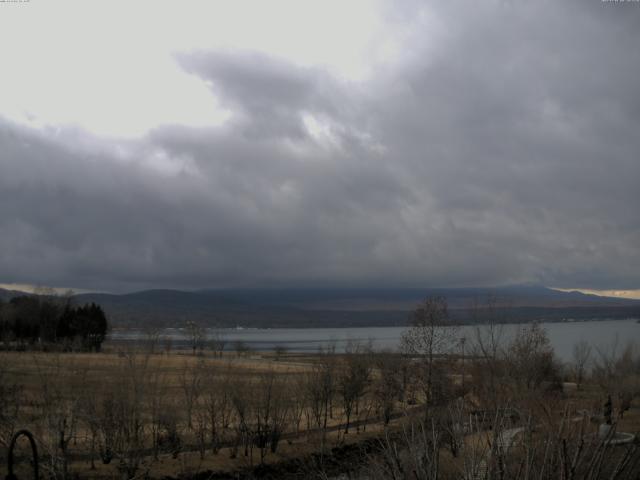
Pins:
x,y
344,143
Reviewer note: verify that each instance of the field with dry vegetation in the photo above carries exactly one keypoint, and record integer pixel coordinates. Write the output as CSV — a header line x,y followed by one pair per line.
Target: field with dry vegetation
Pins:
x,y
442,407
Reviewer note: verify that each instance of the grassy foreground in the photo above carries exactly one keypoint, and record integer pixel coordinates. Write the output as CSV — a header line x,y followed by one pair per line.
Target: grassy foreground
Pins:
x,y
136,413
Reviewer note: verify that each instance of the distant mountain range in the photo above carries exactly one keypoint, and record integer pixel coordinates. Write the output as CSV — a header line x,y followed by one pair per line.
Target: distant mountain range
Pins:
x,y
332,307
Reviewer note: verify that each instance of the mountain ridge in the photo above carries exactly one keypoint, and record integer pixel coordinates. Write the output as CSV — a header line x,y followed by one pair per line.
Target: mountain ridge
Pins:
x,y
312,307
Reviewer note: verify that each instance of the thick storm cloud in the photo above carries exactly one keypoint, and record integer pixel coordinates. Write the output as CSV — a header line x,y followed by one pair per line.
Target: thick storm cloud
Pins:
x,y
499,144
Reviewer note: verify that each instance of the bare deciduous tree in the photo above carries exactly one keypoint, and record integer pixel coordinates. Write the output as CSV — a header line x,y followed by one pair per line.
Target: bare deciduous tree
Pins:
x,y
240,399
10,404
530,358
196,335
58,404
431,333
130,415
217,342
353,378
581,357
387,387
488,350
319,387
191,379
297,402
269,412
156,403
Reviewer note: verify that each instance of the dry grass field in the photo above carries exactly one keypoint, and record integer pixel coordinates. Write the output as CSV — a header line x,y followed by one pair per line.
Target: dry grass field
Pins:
x,y
132,414
69,400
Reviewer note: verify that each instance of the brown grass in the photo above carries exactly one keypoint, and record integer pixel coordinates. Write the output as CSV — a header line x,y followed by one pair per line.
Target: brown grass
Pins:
x,y
100,372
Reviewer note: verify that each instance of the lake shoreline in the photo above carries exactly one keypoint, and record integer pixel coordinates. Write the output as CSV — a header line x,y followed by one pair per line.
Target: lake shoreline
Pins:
x,y
562,335
312,327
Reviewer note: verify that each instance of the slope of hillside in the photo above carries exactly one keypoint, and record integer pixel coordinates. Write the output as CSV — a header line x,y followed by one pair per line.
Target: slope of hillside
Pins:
x,y
346,307
374,299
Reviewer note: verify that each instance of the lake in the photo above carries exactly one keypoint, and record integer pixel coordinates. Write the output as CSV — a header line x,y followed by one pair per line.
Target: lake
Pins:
x,y
602,334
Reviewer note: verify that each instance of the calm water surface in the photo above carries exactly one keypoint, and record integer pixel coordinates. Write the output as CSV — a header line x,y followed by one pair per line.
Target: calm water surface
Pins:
x,y
603,334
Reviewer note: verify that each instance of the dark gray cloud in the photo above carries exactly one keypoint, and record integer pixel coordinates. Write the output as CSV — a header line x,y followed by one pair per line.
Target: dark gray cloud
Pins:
x,y
505,152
